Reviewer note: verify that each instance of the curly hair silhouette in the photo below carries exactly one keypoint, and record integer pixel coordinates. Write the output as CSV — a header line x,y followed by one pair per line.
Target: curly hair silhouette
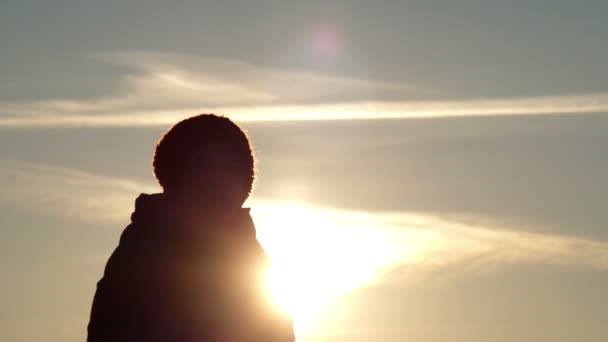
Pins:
x,y
176,148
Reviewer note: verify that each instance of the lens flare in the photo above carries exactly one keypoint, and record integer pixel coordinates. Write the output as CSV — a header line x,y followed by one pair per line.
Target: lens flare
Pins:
x,y
326,40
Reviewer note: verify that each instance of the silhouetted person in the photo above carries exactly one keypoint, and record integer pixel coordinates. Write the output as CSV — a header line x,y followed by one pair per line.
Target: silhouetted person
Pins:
x,y
188,266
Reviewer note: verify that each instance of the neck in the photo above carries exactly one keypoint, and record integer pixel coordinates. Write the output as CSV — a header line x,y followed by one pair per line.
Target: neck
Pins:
x,y
195,212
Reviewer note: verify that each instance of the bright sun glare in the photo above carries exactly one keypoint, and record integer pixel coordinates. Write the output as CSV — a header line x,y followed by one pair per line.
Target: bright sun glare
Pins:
x,y
316,256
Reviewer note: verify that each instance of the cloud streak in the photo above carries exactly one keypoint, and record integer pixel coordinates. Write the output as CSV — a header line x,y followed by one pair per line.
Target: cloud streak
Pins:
x,y
66,193
409,241
165,83
161,89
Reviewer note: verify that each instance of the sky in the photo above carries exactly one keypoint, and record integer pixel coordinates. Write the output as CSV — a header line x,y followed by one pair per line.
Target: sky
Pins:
x,y
427,170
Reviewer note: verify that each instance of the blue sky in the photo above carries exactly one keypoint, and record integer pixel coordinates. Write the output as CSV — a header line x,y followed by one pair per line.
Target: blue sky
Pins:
x,y
470,134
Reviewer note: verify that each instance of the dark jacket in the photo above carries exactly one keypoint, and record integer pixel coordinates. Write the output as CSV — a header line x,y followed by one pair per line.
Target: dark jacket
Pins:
x,y
167,283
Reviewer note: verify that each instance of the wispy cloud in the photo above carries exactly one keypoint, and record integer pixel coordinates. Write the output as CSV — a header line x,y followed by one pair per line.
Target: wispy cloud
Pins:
x,y
158,86
420,243
415,242
160,89
67,193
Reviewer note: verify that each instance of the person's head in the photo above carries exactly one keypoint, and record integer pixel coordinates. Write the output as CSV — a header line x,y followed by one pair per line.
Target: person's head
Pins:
x,y
207,161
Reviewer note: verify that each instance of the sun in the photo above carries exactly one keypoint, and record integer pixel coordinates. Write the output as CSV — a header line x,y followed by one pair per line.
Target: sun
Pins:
x,y
316,256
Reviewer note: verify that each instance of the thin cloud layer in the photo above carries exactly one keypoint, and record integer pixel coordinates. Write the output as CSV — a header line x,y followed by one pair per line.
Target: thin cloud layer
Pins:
x,y
413,242
160,89
66,193
165,83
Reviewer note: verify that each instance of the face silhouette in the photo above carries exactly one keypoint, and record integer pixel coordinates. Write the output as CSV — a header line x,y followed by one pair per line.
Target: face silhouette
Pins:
x,y
213,180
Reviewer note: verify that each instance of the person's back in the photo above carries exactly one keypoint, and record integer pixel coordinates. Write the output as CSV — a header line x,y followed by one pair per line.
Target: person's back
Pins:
x,y
188,267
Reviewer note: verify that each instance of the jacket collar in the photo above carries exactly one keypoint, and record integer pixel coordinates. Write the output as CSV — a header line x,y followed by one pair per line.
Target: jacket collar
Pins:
x,y
157,213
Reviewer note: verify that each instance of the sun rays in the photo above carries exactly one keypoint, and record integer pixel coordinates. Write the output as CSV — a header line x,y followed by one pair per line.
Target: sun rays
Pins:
x,y
317,256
